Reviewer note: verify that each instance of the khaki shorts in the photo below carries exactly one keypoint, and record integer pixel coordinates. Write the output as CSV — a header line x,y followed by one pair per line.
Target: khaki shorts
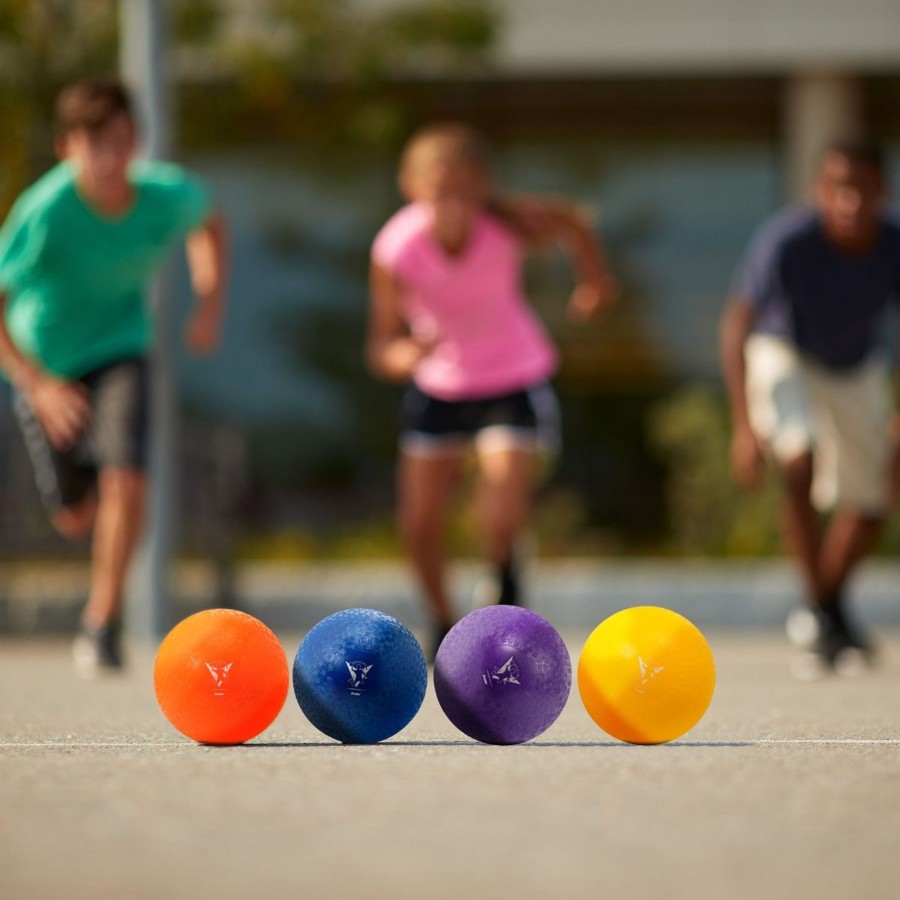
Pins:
x,y
797,406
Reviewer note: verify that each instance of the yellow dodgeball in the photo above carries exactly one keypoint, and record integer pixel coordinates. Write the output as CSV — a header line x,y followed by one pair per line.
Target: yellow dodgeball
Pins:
x,y
646,675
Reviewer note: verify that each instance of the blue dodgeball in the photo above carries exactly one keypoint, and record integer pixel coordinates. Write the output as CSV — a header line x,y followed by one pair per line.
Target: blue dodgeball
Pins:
x,y
360,676
502,675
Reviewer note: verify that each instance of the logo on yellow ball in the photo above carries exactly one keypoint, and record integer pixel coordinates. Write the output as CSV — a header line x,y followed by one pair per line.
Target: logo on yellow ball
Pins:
x,y
646,675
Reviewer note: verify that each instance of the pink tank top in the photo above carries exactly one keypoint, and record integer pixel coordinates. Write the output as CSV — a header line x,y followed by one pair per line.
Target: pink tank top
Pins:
x,y
488,341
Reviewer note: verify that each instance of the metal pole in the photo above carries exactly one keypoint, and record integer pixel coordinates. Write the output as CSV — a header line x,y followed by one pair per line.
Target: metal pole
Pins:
x,y
143,69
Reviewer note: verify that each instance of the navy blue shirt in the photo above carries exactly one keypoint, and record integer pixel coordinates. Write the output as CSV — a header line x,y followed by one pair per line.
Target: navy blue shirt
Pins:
x,y
832,306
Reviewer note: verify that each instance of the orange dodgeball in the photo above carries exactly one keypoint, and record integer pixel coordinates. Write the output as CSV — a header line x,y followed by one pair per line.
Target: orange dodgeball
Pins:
x,y
221,677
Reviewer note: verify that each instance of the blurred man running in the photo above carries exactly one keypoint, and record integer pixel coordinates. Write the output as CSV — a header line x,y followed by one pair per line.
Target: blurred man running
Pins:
x,y
806,363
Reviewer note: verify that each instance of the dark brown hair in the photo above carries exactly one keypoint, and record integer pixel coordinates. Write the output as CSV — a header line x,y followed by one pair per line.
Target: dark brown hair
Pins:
x,y
858,153
91,104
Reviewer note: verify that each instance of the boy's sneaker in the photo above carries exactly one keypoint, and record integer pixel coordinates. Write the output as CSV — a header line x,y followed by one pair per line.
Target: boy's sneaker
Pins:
x,y
98,651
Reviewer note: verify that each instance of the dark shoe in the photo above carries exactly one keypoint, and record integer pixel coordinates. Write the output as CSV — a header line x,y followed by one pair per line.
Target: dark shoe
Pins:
x,y
98,651
840,647
824,642
835,643
851,634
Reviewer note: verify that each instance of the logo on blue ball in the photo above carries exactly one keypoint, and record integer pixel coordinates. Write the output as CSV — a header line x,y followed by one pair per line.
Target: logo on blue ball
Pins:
x,y
359,674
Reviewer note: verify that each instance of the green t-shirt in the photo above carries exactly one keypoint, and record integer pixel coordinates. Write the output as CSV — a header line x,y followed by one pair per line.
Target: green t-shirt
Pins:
x,y
75,280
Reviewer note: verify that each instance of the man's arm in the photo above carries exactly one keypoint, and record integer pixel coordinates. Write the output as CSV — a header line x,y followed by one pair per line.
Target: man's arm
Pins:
x,y
747,461
207,254
60,406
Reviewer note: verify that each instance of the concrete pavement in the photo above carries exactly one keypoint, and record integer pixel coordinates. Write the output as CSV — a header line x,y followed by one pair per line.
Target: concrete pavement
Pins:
x,y
785,789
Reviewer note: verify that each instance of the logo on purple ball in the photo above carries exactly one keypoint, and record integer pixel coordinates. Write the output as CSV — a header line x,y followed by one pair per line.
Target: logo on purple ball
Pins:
x,y
359,673
508,673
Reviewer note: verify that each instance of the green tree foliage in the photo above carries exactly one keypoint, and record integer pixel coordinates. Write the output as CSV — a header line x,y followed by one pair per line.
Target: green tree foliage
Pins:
x,y
324,69
46,44
195,22
43,45
274,68
708,512
342,39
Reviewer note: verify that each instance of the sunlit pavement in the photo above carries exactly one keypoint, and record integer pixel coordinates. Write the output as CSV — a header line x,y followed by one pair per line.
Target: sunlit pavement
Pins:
x,y
784,789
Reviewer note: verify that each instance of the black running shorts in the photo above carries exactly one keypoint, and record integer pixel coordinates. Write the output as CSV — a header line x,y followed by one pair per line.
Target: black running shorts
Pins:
x,y
527,419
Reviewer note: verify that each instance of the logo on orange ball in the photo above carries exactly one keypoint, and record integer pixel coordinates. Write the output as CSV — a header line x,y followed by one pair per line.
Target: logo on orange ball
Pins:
x,y
219,672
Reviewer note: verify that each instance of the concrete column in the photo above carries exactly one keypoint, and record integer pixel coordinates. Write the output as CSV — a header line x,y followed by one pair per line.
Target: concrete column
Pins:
x,y
818,107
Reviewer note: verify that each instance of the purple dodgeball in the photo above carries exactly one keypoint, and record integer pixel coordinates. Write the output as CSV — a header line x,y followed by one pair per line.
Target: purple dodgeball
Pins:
x,y
502,675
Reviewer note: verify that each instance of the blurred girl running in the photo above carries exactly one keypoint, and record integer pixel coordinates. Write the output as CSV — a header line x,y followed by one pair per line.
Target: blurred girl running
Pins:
x,y
448,314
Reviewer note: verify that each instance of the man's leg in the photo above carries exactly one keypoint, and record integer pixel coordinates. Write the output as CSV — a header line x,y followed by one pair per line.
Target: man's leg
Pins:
x,y
783,419
855,449
850,538
120,514
801,525
826,561
820,627
848,541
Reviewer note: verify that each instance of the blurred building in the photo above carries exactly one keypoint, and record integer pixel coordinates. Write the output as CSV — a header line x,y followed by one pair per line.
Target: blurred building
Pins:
x,y
819,51
683,122
825,57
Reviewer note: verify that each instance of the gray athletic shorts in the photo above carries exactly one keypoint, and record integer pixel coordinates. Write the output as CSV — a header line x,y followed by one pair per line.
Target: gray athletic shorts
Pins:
x,y
115,437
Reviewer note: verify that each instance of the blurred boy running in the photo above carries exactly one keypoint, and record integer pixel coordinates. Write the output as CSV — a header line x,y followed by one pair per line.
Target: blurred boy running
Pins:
x,y
76,253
